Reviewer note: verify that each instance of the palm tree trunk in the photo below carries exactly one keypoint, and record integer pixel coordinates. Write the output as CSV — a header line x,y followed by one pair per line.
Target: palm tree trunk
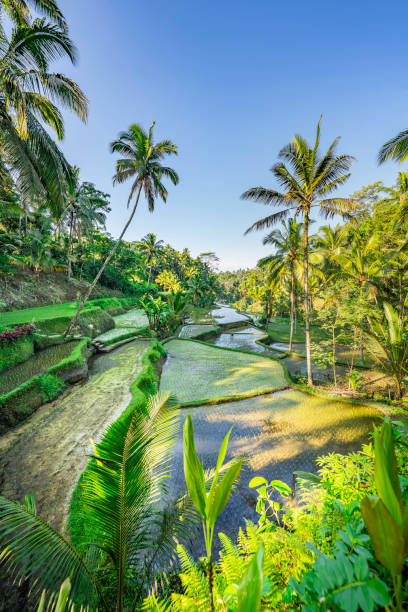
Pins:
x,y
292,305
334,356
71,230
105,263
361,323
306,296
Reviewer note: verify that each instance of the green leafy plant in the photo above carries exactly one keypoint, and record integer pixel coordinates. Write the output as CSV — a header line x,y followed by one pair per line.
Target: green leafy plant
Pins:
x,y
344,581
386,514
266,506
209,505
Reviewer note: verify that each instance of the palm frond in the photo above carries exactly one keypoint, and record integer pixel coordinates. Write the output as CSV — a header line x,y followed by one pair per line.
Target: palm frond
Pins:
x,y
32,549
268,221
125,481
396,148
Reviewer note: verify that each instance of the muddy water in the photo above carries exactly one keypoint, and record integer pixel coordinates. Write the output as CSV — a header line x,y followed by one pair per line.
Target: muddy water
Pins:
x,y
47,454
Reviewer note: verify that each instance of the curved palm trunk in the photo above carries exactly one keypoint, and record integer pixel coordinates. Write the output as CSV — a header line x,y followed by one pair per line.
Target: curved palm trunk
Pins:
x,y
292,305
105,263
306,296
71,231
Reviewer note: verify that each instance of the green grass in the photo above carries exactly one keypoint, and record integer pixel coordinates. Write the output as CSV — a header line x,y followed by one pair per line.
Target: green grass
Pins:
x,y
196,372
29,315
68,309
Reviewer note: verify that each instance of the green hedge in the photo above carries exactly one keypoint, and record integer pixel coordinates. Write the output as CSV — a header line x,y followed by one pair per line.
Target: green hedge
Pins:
x,y
15,352
22,401
145,384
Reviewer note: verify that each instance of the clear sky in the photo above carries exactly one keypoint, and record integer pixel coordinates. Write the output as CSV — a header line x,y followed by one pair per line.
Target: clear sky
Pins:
x,y
230,82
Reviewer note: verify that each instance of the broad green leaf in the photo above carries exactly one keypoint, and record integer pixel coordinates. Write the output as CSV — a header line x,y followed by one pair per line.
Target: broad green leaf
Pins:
x,y
257,481
386,535
223,492
385,473
313,478
193,471
281,487
250,589
220,461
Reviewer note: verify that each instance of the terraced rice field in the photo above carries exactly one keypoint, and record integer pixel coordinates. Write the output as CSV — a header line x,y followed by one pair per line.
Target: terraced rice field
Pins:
x,y
135,318
116,332
192,331
244,339
195,371
226,314
278,433
34,365
47,454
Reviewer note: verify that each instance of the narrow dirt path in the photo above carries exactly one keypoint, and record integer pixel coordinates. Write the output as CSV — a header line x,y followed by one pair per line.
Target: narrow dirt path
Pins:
x,y
47,454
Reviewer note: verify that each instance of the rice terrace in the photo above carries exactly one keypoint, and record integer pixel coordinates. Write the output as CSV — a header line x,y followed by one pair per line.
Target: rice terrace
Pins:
x,y
203,307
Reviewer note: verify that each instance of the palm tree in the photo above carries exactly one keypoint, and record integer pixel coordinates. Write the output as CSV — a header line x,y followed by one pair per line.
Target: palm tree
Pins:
x,y
285,260
307,183
19,12
141,162
85,210
389,344
329,243
150,248
124,517
27,151
361,264
397,196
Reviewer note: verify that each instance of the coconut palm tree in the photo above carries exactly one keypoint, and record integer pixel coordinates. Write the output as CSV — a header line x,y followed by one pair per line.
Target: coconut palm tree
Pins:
x,y
307,179
19,11
86,209
142,162
360,264
397,197
150,248
127,513
285,260
28,153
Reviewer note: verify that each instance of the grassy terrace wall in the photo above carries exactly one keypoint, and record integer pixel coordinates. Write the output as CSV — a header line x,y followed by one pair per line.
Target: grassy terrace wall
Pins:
x,y
22,401
15,352
145,384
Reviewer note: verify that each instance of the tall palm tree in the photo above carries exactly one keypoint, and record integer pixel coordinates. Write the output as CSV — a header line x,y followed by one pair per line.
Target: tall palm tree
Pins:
x,y
150,248
27,151
142,162
283,262
307,180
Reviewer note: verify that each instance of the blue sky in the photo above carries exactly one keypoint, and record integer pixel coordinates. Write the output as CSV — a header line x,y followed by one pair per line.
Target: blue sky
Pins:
x,y
230,82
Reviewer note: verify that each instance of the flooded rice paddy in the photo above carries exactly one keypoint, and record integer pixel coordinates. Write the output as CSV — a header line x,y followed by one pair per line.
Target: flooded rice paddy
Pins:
x,y
278,433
